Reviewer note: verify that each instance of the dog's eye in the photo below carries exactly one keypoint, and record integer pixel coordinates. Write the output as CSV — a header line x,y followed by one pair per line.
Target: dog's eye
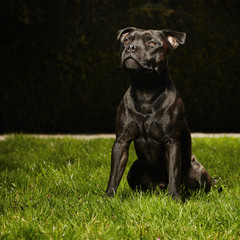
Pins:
x,y
126,41
152,43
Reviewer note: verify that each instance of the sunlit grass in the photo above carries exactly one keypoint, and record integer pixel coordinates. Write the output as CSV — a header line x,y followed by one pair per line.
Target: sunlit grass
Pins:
x,y
53,189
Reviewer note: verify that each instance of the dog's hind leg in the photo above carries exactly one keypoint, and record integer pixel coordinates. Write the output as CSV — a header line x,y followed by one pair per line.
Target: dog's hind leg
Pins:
x,y
197,176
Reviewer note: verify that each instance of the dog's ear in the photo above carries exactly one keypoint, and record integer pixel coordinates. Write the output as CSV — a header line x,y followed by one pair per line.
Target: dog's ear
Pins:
x,y
124,32
174,38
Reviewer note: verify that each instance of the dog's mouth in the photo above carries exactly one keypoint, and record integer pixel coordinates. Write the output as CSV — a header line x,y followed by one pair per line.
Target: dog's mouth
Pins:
x,y
131,63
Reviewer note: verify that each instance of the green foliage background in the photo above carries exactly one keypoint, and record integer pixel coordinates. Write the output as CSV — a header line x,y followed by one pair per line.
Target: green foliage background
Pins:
x,y
60,68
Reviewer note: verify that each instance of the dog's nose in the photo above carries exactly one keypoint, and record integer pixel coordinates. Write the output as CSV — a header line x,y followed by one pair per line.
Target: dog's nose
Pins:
x,y
131,48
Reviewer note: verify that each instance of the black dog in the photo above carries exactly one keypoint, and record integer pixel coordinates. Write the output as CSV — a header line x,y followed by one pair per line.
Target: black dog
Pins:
x,y
151,114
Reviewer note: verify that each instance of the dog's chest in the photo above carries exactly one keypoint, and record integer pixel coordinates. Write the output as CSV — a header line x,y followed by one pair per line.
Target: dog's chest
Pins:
x,y
151,118
149,141
153,123
152,127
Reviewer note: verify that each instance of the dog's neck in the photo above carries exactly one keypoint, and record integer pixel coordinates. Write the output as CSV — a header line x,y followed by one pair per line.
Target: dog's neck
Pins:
x,y
151,83
146,88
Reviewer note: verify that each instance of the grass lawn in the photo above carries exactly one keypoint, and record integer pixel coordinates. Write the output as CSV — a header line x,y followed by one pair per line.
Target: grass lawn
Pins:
x,y
53,188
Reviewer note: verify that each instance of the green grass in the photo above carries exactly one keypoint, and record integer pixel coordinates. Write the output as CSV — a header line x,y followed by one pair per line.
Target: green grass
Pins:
x,y
53,188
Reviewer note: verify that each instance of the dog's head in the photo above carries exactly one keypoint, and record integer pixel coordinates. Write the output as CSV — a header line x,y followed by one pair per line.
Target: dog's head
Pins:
x,y
147,50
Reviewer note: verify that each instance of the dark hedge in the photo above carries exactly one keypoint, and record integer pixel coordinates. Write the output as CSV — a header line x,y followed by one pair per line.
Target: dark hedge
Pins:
x,y
60,68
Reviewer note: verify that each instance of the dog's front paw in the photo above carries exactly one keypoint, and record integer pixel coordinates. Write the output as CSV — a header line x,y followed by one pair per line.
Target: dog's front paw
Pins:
x,y
109,193
176,196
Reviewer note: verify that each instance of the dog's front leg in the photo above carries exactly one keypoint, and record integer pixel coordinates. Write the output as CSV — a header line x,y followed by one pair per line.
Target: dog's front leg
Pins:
x,y
118,164
174,168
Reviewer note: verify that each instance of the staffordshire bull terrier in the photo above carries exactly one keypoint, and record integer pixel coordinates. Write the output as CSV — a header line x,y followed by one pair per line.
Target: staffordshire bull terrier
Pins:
x,y
151,114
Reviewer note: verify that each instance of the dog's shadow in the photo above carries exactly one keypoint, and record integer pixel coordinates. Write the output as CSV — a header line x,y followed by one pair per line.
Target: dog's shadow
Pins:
x,y
186,194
